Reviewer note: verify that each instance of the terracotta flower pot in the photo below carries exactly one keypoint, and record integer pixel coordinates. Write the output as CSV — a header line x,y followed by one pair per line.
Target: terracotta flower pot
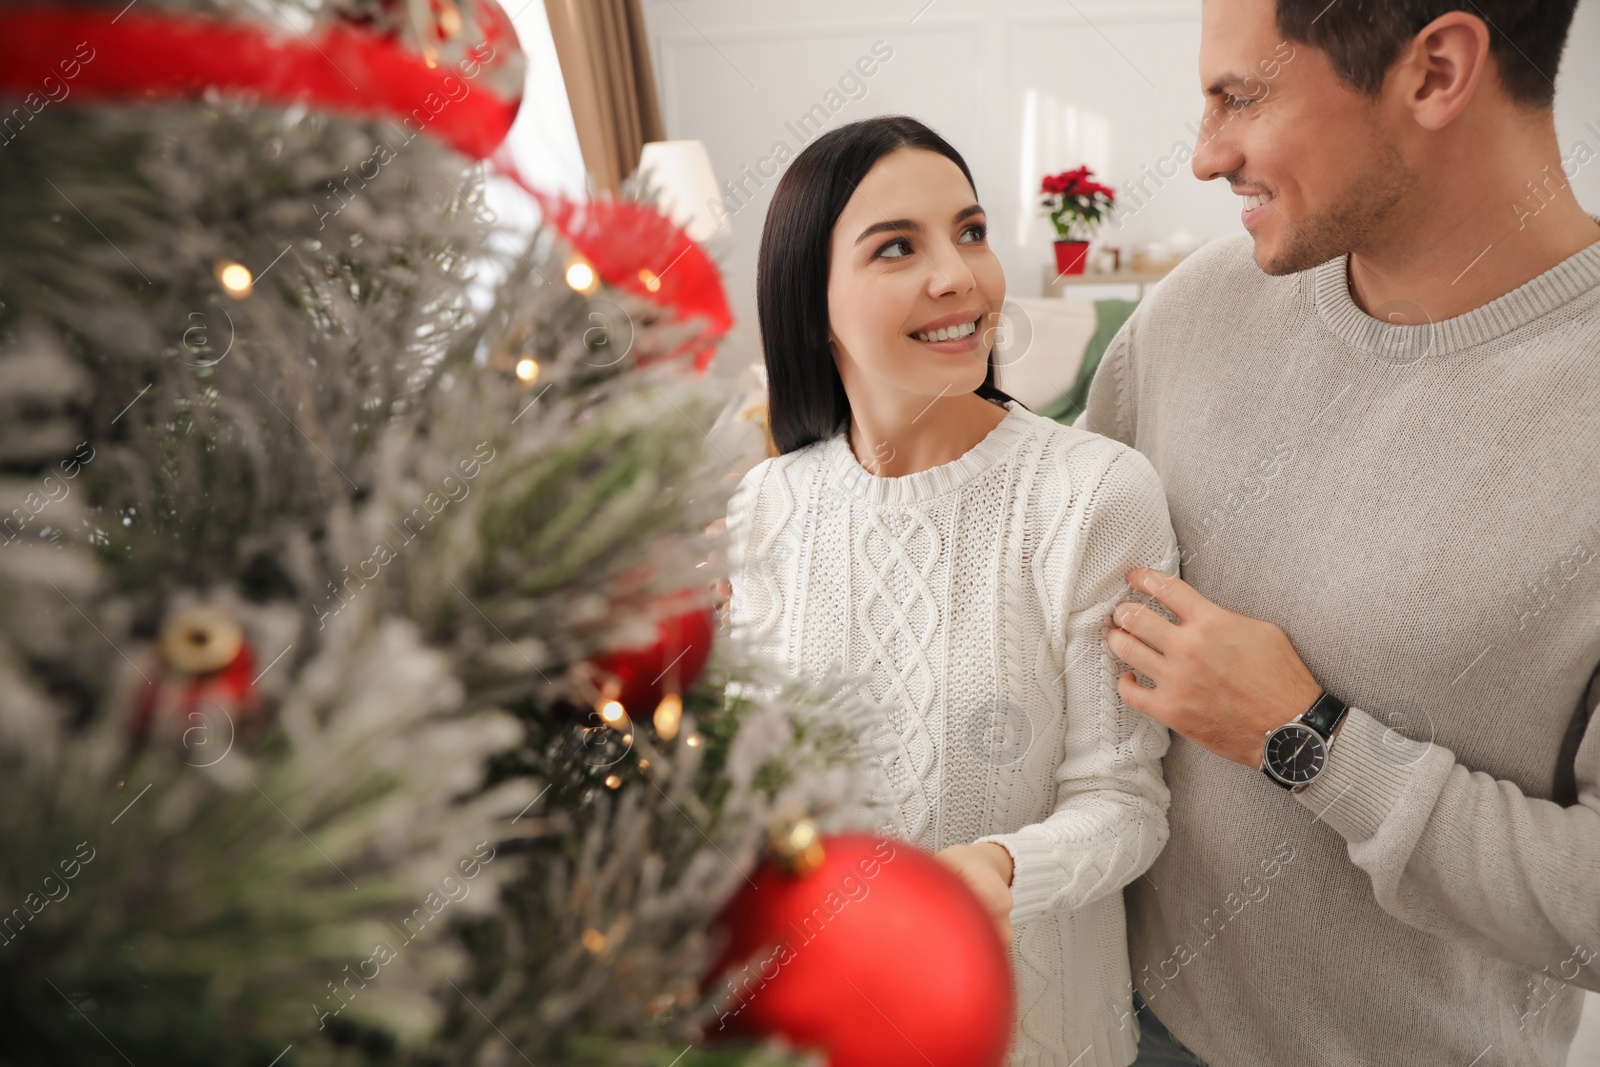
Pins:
x,y
1071,256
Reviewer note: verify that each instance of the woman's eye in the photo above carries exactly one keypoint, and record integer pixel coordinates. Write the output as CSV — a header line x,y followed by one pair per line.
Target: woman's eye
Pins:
x,y
898,242
980,229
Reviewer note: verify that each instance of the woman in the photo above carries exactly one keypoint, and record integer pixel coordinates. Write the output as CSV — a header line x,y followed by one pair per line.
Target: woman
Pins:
x,y
963,555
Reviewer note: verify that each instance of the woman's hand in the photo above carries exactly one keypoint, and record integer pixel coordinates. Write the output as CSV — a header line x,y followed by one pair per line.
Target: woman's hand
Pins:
x,y
986,868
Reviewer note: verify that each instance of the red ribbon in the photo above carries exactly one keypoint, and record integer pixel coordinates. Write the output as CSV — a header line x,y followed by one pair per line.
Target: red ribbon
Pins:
x,y
169,56
151,57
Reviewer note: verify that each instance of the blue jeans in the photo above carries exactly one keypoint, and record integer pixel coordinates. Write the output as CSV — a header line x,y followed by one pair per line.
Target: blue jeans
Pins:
x,y
1157,1047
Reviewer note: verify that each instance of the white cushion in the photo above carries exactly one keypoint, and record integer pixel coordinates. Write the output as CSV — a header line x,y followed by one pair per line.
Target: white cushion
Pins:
x,y
1040,347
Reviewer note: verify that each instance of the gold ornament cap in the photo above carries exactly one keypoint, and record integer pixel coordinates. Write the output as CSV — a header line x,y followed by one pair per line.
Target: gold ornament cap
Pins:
x,y
200,639
795,842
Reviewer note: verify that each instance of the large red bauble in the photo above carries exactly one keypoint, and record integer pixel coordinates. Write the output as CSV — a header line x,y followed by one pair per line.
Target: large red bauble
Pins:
x,y
880,956
671,663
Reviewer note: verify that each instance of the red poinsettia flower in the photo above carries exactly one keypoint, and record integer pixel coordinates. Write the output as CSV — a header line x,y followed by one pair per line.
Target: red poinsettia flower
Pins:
x,y
1075,202
1075,182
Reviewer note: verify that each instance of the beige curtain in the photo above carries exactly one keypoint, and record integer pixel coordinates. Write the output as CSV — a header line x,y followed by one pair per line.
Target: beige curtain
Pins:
x,y
605,62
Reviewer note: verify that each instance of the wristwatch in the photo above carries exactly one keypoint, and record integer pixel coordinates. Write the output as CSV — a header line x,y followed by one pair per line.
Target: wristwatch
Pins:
x,y
1296,752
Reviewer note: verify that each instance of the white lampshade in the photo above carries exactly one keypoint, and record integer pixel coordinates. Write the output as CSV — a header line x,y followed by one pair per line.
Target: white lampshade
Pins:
x,y
681,171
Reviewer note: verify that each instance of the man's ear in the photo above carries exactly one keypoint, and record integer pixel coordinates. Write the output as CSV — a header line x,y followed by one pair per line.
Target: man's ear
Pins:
x,y
1439,72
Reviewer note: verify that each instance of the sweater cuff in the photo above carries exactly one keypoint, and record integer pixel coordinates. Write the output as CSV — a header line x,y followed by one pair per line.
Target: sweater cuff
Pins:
x,y
1370,768
1035,874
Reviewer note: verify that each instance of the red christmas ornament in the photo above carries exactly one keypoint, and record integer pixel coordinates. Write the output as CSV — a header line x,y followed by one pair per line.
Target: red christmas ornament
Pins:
x,y
639,678
200,694
878,954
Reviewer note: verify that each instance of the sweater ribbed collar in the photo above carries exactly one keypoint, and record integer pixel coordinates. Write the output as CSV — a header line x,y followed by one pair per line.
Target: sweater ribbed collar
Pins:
x,y
855,479
1559,285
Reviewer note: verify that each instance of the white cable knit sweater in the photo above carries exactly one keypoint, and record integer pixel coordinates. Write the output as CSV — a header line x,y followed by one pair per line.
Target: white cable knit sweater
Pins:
x,y
974,599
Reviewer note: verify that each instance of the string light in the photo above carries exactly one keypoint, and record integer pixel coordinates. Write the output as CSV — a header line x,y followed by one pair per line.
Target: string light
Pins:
x,y
450,21
527,369
693,741
613,782
651,281
581,277
669,713
613,713
235,278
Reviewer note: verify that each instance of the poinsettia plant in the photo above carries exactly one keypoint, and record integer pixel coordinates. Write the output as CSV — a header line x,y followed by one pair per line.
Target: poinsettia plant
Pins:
x,y
1075,202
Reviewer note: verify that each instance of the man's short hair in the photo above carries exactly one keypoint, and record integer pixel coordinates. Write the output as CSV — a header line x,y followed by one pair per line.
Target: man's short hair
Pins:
x,y
1363,38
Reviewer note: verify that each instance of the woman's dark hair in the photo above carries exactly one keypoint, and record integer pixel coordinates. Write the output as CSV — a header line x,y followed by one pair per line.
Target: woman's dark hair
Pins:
x,y
806,401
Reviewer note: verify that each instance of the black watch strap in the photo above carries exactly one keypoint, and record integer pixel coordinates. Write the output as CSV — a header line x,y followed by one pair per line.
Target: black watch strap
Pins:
x,y
1324,715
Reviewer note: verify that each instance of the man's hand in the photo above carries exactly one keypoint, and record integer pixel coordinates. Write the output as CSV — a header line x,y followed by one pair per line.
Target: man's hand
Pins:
x,y
986,868
1221,679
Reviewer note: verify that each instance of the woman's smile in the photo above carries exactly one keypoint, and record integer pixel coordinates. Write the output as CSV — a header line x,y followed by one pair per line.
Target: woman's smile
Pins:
x,y
956,332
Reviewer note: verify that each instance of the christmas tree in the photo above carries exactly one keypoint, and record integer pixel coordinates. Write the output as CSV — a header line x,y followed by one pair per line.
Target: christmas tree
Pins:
x,y
359,694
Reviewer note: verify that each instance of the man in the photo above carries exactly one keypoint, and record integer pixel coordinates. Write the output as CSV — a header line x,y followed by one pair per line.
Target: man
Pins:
x,y
1377,419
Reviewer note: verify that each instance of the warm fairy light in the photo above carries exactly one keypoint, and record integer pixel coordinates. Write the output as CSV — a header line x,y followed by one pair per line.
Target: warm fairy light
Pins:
x,y
612,781
594,941
527,369
430,57
669,713
651,282
235,278
450,21
627,738
693,740
644,765
612,713
581,276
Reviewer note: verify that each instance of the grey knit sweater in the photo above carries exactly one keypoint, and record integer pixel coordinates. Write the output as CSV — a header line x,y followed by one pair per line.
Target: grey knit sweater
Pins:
x,y
1418,507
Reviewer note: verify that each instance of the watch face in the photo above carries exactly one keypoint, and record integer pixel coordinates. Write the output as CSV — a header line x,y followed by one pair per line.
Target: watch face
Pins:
x,y
1296,753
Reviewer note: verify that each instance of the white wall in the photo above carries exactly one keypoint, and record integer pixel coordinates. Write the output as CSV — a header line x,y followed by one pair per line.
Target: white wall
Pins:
x,y
1578,104
1020,87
